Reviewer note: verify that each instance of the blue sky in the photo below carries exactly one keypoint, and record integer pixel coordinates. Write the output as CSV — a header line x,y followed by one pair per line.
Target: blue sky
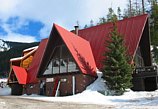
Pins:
x,y
32,20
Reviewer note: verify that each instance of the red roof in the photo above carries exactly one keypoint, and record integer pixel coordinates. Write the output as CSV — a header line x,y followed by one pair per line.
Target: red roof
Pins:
x,y
34,67
131,28
80,50
87,48
30,75
21,74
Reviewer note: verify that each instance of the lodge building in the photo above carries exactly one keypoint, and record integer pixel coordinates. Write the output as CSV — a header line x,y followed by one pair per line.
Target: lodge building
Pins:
x,y
66,62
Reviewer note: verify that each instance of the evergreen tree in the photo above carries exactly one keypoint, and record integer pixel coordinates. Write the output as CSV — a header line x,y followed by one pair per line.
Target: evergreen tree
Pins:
x,y
101,20
86,26
154,29
91,23
154,23
110,14
134,8
116,68
119,13
155,54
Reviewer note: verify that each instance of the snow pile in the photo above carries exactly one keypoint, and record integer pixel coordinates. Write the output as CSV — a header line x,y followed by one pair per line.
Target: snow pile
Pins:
x,y
4,89
92,96
3,46
3,80
99,84
86,97
89,97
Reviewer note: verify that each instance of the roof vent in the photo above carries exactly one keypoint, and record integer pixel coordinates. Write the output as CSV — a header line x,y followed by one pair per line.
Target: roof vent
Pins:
x,y
76,29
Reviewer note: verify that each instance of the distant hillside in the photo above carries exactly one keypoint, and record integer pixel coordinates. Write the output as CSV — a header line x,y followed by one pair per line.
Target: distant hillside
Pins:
x,y
15,50
4,46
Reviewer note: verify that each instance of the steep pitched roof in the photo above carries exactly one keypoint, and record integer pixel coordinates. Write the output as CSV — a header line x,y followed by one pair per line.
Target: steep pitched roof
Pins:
x,y
34,67
26,76
80,50
87,48
78,47
21,74
131,28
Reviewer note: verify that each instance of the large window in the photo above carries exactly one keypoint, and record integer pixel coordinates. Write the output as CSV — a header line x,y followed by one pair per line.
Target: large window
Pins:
x,y
139,62
61,62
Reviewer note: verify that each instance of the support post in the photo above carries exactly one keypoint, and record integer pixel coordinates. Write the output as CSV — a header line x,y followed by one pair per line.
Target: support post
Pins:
x,y
56,93
73,85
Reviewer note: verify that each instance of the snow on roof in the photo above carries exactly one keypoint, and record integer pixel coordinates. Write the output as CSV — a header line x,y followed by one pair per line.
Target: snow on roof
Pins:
x,y
28,49
16,59
25,56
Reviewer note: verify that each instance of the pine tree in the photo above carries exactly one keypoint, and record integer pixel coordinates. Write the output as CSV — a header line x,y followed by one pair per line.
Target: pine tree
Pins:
x,y
86,26
134,8
116,68
119,13
155,54
154,23
110,14
154,28
91,23
101,20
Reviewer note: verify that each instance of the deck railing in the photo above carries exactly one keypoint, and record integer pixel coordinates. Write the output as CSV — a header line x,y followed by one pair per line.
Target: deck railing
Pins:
x,y
146,69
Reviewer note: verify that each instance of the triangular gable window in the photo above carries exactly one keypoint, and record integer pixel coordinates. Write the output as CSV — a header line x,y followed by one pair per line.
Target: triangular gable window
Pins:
x,y
61,62
138,59
12,77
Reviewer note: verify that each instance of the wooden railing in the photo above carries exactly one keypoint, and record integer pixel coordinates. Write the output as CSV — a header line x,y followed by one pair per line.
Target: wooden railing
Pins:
x,y
146,71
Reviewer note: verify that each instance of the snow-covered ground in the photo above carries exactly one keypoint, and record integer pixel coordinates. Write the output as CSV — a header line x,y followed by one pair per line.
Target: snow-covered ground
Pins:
x,y
5,90
3,80
92,96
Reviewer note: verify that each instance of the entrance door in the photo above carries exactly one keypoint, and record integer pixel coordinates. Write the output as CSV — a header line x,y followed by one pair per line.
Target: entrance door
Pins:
x,y
150,83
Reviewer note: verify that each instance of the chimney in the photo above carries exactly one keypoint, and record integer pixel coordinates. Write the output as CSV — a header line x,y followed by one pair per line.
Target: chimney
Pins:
x,y
76,29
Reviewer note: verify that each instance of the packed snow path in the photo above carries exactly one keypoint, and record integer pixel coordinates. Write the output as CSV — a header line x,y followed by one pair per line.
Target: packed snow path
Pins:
x,y
15,102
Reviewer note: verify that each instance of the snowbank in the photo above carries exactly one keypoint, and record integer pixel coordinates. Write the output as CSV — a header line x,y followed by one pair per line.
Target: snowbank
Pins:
x,y
98,84
92,96
5,91
3,80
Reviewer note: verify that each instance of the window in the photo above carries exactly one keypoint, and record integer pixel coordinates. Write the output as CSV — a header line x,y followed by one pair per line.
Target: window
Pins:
x,y
139,62
62,62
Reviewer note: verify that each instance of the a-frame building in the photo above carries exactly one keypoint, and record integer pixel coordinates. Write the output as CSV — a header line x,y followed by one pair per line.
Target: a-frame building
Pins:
x,y
66,63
